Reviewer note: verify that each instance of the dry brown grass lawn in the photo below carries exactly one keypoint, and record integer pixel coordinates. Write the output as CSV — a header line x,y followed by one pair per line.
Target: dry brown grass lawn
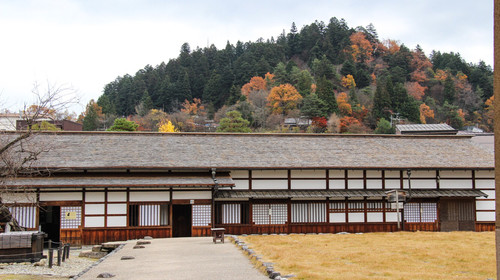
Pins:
x,y
402,255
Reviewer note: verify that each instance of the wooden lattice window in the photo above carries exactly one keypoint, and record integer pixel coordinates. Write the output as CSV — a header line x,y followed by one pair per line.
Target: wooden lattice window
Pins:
x,y
25,215
231,214
375,206
337,207
424,212
148,215
202,215
312,212
356,206
71,217
269,214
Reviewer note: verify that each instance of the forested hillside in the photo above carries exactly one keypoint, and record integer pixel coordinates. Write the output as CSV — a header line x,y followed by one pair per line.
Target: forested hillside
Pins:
x,y
344,79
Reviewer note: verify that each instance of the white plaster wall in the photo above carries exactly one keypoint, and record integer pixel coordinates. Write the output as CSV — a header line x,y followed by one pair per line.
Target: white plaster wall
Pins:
x,y
485,216
308,184
117,196
117,221
29,197
94,209
308,173
485,184
374,184
336,173
94,221
455,174
392,184
420,184
120,208
337,217
356,217
149,196
374,217
421,174
239,174
392,174
392,217
485,174
269,174
192,195
94,196
337,184
354,184
240,184
355,173
455,184
269,184
491,195
485,205
61,196
373,174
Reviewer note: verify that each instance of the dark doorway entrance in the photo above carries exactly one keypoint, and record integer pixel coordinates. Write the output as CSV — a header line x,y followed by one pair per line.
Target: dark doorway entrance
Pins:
x,y
181,220
50,221
458,214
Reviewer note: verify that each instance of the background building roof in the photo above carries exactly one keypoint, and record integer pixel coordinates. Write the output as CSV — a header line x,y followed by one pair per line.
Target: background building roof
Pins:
x,y
77,150
440,128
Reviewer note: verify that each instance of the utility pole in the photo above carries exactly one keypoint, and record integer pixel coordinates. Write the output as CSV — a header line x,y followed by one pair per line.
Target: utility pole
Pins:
x,y
496,87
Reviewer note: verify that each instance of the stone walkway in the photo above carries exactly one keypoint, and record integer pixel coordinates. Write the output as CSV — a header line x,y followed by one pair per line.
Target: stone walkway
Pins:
x,y
178,258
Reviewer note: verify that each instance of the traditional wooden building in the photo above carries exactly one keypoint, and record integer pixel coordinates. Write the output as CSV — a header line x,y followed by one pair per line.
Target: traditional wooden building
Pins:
x,y
117,186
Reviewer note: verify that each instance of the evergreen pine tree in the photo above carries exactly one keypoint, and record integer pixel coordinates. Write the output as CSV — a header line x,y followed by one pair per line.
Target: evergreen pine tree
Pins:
x,y
325,93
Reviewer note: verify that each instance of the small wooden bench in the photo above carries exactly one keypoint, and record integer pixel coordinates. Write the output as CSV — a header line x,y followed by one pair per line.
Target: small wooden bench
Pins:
x,y
218,234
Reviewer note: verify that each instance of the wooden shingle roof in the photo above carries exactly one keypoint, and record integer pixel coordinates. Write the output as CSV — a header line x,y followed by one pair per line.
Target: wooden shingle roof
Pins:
x,y
80,150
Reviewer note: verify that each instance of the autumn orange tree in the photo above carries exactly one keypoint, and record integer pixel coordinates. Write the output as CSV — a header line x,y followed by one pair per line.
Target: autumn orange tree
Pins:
x,y
425,112
361,49
192,108
415,90
255,84
348,81
343,103
283,98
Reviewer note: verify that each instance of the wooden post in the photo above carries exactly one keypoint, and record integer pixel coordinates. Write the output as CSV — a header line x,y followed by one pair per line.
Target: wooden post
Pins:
x,y
67,250
51,255
59,249
63,251
496,87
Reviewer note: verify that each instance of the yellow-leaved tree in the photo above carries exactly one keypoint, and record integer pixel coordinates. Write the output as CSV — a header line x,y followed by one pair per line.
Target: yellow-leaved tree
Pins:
x,y
283,98
167,126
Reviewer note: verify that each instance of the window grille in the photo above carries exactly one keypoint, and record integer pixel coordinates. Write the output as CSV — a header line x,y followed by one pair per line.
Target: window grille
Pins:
x,y
202,215
388,207
309,212
231,214
338,206
25,215
375,206
424,212
265,214
148,215
71,217
356,206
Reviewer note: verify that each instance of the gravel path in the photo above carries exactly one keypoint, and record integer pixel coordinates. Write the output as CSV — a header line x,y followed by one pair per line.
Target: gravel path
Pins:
x,y
69,268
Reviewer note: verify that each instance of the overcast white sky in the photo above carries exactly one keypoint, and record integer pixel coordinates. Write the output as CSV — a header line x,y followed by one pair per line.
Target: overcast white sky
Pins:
x,y
88,43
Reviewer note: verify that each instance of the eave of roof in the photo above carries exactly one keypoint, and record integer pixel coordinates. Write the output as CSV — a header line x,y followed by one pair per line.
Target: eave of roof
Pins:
x,y
120,181
321,194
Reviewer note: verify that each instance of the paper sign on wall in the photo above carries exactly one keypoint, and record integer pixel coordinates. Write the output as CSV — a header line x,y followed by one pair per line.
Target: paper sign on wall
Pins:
x,y
70,215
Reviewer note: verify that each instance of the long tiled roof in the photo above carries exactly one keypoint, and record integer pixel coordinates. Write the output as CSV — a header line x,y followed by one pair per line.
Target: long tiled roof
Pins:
x,y
342,194
77,150
120,180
